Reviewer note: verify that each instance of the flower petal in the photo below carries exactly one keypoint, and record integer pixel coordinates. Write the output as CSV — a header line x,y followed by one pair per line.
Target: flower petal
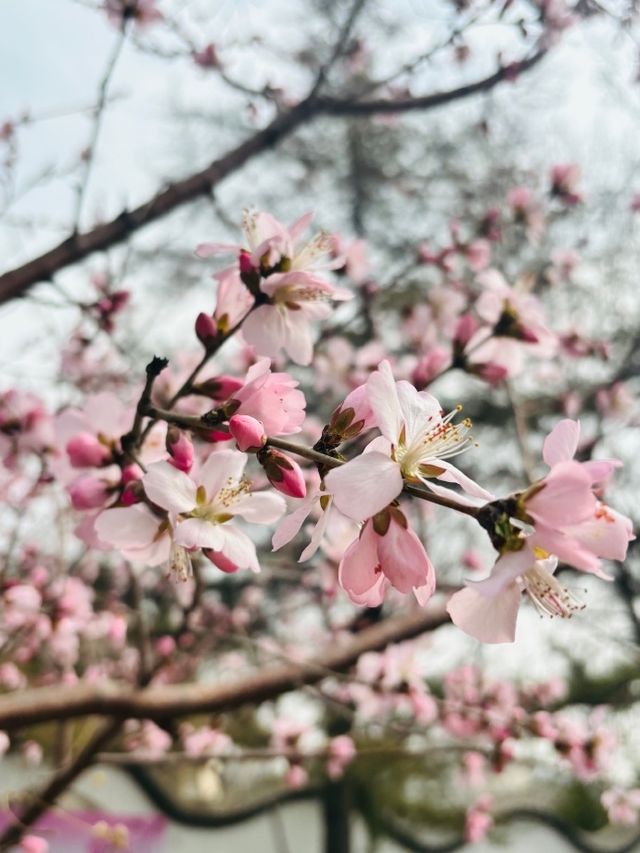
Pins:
x,y
561,443
198,533
383,399
222,468
365,485
169,488
259,507
489,620
404,560
238,548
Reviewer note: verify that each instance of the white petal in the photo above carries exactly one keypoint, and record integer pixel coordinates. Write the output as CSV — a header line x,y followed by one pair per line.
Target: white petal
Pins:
x,y
198,533
420,411
238,548
365,485
259,507
127,527
489,620
455,475
169,488
383,399
264,330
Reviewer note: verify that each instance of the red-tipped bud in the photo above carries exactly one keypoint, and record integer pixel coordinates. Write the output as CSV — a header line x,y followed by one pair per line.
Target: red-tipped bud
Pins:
x,y
245,263
206,330
88,492
283,473
85,451
131,474
220,561
219,387
490,372
180,448
248,432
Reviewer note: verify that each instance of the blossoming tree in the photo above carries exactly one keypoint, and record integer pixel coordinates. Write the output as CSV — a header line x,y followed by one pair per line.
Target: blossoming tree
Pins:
x,y
251,537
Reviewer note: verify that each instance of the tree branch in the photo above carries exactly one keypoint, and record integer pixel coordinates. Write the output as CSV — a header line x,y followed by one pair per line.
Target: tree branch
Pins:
x,y
76,248
161,703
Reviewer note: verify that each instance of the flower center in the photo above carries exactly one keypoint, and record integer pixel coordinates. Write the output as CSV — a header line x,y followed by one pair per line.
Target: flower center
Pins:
x,y
442,441
217,510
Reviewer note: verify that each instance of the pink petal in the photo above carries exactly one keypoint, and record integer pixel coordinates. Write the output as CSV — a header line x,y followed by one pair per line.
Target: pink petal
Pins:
x,y
359,568
404,559
317,535
561,443
383,399
169,488
205,250
566,497
489,620
567,549
506,569
264,330
365,485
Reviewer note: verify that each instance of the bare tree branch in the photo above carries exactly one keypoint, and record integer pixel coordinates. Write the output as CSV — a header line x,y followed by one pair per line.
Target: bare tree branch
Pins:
x,y
77,247
160,703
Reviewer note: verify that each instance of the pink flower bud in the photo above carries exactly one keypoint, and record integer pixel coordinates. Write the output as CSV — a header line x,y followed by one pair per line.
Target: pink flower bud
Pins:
x,y
206,330
220,387
491,373
245,263
88,492
131,473
283,473
465,329
180,448
165,646
85,451
248,432
220,561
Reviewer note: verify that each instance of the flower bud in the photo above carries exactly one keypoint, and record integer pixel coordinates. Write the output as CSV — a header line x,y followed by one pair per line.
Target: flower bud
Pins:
x,y
219,387
206,330
465,329
283,473
85,451
88,492
248,432
180,449
220,561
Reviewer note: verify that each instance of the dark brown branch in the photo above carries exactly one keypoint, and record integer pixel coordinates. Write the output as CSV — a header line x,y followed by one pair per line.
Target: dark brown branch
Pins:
x,y
79,246
161,703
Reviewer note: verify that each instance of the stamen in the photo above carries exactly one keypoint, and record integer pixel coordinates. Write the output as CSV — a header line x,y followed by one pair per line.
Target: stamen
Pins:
x,y
180,563
548,595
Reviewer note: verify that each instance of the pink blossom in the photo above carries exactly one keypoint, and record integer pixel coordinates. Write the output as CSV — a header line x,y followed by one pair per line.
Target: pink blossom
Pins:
x,y
478,820
478,254
233,299
283,275
296,777
342,750
417,442
271,398
487,610
386,553
202,509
